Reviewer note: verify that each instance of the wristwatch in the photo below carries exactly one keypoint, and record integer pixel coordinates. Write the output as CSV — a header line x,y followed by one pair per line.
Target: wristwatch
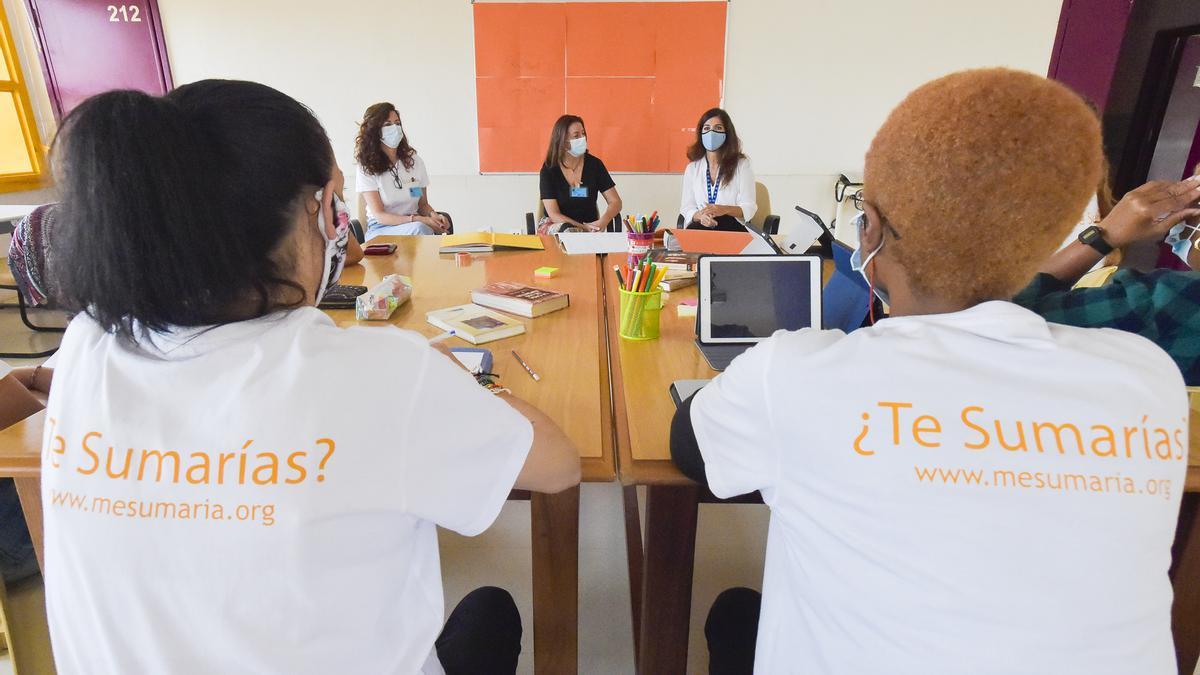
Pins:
x,y
1094,236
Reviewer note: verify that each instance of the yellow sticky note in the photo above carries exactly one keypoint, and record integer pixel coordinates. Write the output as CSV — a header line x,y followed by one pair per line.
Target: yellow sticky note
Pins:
x,y
546,272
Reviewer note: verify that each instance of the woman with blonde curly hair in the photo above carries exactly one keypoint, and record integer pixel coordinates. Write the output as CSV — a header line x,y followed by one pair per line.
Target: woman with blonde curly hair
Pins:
x,y
960,487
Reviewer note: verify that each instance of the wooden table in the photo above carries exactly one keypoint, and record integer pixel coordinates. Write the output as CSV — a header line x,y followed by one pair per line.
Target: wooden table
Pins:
x,y
567,348
660,573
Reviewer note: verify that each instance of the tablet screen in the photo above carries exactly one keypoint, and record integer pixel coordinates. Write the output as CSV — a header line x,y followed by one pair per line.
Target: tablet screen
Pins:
x,y
748,298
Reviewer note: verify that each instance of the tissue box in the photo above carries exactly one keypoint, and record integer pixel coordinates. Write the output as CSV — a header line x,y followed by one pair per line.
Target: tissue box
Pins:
x,y
378,303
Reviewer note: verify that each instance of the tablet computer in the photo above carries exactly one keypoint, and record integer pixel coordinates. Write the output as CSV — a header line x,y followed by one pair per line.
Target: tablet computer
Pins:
x,y
744,299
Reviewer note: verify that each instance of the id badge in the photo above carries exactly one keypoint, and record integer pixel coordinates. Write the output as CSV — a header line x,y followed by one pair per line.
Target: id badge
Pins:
x,y
579,192
416,191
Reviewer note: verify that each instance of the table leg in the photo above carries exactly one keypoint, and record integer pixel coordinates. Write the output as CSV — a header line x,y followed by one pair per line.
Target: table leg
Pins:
x,y
670,554
29,491
635,560
555,527
1185,576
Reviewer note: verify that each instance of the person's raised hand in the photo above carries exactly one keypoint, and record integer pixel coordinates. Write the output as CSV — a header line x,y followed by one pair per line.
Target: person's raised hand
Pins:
x,y
1148,212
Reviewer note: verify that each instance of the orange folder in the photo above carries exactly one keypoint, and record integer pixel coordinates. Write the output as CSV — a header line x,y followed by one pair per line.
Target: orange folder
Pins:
x,y
716,242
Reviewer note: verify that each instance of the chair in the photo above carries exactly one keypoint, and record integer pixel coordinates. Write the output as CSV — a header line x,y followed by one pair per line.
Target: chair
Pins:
x,y
26,267
770,222
23,606
532,218
359,229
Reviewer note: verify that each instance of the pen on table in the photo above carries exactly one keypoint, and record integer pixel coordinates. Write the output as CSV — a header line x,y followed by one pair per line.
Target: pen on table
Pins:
x,y
535,376
443,336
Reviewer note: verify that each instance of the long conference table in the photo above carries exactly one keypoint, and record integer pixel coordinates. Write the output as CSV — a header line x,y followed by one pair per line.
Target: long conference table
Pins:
x,y
610,397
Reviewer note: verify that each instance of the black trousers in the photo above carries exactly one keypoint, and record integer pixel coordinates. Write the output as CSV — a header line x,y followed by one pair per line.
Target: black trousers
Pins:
x,y
732,631
482,635
724,224
17,559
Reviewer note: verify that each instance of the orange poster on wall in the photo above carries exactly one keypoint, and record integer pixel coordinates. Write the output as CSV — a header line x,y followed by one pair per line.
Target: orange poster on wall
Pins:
x,y
638,73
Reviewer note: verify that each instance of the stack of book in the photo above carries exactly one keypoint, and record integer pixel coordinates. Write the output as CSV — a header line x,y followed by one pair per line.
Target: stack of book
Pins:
x,y
477,324
681,268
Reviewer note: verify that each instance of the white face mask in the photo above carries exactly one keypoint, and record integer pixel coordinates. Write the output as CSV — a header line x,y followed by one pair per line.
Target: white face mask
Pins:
x,y
335,249
1180,240
577,146
392,135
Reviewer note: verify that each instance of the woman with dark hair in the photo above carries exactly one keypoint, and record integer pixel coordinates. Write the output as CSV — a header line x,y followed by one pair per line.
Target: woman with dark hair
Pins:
x,y
392,178
718,185
572,178
229,499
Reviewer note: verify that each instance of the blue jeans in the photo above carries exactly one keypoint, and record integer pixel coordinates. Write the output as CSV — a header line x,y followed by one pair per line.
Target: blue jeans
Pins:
x,y
17,559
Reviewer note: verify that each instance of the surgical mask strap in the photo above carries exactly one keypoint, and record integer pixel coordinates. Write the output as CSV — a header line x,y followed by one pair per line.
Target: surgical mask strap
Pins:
x,y
869,269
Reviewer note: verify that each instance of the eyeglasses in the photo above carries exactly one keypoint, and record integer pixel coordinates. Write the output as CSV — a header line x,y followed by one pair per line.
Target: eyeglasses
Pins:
x,y
860,219
705,129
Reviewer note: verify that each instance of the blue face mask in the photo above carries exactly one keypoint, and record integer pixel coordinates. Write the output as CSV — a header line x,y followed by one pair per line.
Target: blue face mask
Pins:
x,y
858,264
1180,240
712,140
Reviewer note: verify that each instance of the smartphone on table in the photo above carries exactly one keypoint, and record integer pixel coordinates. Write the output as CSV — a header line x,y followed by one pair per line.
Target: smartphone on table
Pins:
x,y
379,249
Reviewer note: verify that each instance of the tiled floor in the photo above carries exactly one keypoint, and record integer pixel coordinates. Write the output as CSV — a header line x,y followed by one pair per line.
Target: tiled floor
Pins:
x,y
729,552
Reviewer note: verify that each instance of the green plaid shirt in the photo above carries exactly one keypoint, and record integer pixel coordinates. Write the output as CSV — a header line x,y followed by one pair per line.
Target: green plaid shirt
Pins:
x,y
1162,306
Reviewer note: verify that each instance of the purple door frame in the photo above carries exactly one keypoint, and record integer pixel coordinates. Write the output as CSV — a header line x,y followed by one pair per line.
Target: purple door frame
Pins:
x,y
159,82
1087,45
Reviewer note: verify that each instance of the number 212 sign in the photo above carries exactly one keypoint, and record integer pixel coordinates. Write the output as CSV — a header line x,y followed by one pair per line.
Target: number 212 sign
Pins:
x,y
124,14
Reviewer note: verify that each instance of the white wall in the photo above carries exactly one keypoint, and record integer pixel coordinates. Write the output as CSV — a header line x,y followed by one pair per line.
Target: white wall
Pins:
x,y
807,81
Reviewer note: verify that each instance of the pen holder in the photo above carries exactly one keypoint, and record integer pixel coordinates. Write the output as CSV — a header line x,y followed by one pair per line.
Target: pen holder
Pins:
x,y
640,313
639,246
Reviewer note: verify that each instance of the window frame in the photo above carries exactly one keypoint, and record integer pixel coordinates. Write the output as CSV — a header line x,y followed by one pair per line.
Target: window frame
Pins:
x,y
17,182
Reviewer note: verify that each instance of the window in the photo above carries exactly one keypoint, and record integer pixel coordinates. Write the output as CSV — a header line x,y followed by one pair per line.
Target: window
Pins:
x,y
22,164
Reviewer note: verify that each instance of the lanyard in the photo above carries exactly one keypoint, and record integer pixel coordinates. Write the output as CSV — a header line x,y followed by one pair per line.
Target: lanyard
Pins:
x,y
709,187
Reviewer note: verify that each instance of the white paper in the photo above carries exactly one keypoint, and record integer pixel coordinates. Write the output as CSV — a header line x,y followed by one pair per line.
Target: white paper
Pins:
x,y
585,243
472,361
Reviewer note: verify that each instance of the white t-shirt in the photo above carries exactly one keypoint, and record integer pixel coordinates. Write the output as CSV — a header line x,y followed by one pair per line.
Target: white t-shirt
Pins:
x,y
400,201
924,546
739,191
5,369
328,564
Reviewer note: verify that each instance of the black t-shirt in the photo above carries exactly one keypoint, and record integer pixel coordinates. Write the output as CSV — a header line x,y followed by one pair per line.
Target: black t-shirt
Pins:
x,y
580,209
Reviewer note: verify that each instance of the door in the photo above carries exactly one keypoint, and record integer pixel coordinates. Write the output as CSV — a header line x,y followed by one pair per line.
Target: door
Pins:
x,y
1177,149
93,46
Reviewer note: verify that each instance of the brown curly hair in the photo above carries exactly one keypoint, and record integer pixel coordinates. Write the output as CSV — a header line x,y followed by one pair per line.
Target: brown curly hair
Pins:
x,y
368,145
982,173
